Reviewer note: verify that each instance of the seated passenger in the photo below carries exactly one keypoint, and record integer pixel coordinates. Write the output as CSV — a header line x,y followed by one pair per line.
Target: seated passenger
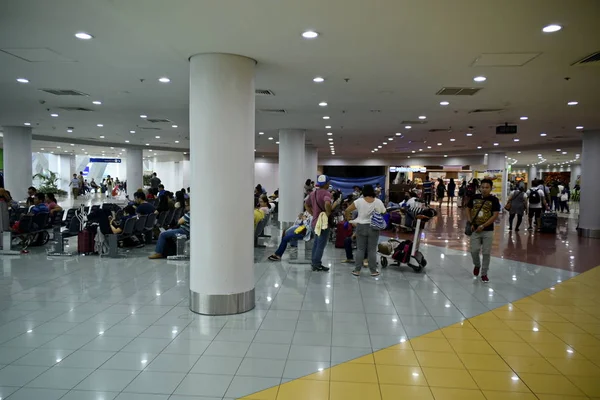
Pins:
x,y
142,206
301,229
117,226
264,204
161,190
51,203
258,215
38,204
94,185
31,192
184,229
152,193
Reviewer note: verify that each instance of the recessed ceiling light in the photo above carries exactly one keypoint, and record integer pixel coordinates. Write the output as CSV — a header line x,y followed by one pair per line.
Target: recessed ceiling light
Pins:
x,y
27,123
22,80
112,148
58,147
542,134
480,79
143,116
83,36
131,131
270,138
469,134
276,142
445,155
127,141
439,144
330,139
157,137
558,149
413,151
407,127
150,150
101,137
54,115
420,149
326,117
579,127
496,144
164,79
390,139
551,28
384,143
452,140
323,104
327,126
99,125
72,144
379,147
318,79
516,140
422,117
96,102
147,144
177,141
428,147
261,133
309,34
479,147
372,151
572,103
329,133
444,103
70,130
398,134
524,118
174,126
564,152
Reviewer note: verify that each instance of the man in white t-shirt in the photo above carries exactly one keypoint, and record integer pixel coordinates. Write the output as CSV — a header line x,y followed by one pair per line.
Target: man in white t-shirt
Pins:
x,y
536,200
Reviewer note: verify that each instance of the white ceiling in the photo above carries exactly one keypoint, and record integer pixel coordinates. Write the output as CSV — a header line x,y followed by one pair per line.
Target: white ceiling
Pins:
x,y
396,54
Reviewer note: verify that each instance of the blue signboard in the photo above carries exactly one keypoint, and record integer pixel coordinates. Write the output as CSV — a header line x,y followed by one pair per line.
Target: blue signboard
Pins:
x,y
106,160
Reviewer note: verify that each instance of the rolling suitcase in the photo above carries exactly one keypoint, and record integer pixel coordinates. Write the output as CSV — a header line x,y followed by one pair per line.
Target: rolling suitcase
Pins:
x,y
85,242
549,222
341,233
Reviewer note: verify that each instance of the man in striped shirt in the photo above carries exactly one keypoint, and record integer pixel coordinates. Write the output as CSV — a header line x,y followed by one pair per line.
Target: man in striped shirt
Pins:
x,y
184,229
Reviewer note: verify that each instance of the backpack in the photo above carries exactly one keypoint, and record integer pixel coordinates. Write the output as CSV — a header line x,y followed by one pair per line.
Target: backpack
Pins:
x,y
402,252
534,196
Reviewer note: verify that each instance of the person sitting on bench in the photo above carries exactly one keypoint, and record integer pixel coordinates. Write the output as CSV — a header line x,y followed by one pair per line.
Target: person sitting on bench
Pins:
x,y
184,229
301,229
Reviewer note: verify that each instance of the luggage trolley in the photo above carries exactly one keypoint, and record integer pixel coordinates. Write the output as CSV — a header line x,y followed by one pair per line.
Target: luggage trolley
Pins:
x,y
393,249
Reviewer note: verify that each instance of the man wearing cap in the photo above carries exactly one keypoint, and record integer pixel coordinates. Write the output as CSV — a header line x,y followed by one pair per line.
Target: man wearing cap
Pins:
x,y
317,203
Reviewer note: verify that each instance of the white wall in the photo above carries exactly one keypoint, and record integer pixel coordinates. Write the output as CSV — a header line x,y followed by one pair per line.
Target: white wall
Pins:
x,y
267,174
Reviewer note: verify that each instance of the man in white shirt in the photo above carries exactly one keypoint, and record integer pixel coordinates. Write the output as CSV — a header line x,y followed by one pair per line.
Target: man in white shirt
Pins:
x,y
536,201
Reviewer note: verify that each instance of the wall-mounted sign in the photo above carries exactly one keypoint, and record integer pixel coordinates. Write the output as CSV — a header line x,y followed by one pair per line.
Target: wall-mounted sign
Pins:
x,y
408,169
106,160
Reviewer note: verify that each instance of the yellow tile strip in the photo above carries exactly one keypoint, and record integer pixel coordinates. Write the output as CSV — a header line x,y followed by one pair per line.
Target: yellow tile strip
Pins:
x,y
545,346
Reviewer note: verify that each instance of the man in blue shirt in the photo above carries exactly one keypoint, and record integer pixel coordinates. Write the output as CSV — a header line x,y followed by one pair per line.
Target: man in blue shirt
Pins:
x,y
427,188
142,206
161,190
184,229
39,204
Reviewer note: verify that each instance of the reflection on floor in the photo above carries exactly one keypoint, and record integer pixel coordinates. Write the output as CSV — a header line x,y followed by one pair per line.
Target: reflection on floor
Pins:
x,y
91,328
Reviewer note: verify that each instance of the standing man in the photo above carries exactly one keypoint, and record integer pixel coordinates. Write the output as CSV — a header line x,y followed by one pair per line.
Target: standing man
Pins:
x,y
536,200
154,181
484,209
75,183
427,189
318,204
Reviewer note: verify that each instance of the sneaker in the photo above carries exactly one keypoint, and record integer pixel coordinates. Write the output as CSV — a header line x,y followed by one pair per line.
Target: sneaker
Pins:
x,y
348,261
476,271
320,268
516,229
510,228
485,279
530,228
156,256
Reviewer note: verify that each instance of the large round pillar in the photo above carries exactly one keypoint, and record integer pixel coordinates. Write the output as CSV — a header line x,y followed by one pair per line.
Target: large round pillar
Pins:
x,y
589,213
532,175
497,162
135,170
17,160
222,161
291,175
311,160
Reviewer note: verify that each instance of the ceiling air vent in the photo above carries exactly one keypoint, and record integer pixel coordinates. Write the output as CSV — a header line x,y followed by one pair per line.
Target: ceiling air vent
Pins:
x,y
417,122
158,120
75,109
64,92
486,110
434,130
272,111
147,128
592,59
457,91
263,92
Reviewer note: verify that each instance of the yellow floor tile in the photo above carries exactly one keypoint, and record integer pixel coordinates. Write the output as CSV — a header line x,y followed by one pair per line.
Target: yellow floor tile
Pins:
x,y
490,395
501,381
579,339
463,324
400,375
462,333
490,324
550,384
514,349
360,373
269,394
556,350
581,319
567,310
353,391
593,329
401,346
395,392
484,362
396,357
431,344
368,359
457,394
449,378
439,360
590,386
536,365
539,337
513,315
471,347
433,335
561,327
547,317
500,335
522,325
318,376
559,397
577,367
303,389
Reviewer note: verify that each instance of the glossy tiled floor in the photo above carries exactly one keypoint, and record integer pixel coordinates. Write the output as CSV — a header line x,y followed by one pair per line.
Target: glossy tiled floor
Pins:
x,y
90,328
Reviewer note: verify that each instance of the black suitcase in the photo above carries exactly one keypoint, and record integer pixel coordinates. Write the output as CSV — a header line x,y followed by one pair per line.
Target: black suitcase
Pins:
x,y
549,222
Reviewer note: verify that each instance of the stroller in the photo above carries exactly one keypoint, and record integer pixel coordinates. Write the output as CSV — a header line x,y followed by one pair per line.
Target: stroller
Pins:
x,y
407,251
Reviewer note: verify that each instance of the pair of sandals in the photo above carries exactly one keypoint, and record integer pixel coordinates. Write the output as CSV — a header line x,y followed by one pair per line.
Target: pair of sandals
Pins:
x,y
357,273
274,257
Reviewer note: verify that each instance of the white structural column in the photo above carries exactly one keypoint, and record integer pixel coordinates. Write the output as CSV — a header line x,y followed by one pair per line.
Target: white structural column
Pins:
x,y
589,213
222,115
497,161
575,173
532,175
311,161
291,175
17,160
135,170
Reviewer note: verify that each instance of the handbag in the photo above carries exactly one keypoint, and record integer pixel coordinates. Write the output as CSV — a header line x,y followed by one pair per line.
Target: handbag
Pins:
x,y
509,203
377,221
468,230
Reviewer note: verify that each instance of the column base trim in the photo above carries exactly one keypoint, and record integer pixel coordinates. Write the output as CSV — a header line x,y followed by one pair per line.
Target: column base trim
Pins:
x,y
589,233
222,304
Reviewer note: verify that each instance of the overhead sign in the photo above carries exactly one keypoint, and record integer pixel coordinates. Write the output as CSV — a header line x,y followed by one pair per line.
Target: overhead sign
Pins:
x,y
408,169
106,160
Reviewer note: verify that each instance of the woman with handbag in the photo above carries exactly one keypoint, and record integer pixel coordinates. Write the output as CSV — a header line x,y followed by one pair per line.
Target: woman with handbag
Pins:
x,y
516,206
